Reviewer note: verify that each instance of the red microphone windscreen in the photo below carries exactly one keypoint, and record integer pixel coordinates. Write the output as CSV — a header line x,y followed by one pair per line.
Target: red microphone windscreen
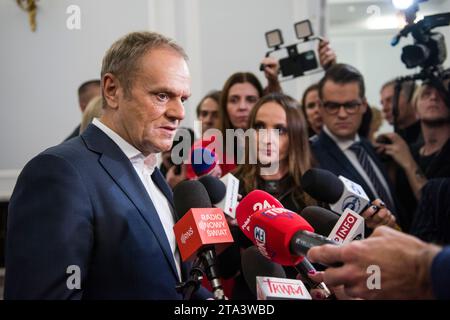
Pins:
x,y
272,230
201,227
253,202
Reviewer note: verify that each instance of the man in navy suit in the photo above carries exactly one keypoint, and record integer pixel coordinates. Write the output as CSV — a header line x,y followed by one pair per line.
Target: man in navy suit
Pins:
x,y
92,218
339,148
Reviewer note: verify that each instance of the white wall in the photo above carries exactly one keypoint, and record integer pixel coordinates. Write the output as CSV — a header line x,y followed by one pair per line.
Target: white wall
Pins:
x,y
40,71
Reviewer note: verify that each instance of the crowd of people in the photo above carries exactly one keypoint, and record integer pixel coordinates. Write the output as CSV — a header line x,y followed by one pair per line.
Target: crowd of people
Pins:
x,y
99,177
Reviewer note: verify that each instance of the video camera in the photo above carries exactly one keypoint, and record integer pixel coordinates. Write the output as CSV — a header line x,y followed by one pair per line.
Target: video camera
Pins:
x,y
428,52
295,64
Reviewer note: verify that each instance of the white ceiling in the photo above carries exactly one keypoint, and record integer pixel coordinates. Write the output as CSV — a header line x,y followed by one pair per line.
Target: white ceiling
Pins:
x,y
353,12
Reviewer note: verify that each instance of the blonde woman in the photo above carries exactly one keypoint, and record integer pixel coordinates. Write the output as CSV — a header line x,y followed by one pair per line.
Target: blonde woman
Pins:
x,y
94,109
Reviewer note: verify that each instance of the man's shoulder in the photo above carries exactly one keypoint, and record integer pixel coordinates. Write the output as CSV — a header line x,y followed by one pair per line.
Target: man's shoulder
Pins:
x,y
322,143
72,153
70,149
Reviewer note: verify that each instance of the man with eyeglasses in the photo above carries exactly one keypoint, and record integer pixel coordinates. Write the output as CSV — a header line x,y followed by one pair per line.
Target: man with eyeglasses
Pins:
x,y
339,148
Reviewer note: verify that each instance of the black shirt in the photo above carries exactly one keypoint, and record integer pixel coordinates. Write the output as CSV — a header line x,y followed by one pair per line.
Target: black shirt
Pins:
x,y
436,165
432,220
412,134
433,166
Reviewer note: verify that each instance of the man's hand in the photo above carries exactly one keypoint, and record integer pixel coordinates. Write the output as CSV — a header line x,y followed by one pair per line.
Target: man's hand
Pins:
x,y
327,56
398,150
404,263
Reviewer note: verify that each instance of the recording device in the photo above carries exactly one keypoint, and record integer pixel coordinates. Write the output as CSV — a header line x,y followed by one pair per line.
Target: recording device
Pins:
x,y
223,192
428,52
252,203
270,288
342,229
381,139
349,227
321,219
216,189
200,232
340,193
295,64
259,200
254,264
283,236
203,161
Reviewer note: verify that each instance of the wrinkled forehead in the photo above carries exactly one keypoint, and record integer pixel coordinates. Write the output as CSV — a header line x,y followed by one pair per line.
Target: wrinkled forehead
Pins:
x,y
164,68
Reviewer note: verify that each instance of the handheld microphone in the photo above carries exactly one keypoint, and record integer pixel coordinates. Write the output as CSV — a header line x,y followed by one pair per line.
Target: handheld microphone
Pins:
x,y
283,236
201,230
349,227
203,160
253,202
267,280
254,264
344,229
223,192
321,219
339,192
216,189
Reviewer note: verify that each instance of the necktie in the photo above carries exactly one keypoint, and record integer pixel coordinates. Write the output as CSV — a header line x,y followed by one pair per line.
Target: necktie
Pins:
x,y
364,160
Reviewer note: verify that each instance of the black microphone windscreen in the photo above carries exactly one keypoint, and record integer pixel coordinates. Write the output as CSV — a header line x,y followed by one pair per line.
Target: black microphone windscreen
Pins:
x,y
215,188
254,264
322,185
190,194
322,220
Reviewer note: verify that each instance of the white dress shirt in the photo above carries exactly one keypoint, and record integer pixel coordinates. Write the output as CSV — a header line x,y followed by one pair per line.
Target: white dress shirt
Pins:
x,y
145,167
344,145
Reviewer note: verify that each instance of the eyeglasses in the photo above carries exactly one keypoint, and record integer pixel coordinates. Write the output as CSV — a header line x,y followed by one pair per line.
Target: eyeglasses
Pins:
x,y
351,107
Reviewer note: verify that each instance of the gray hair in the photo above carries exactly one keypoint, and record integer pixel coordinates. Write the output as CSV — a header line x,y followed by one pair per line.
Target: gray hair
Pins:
x,y
123,57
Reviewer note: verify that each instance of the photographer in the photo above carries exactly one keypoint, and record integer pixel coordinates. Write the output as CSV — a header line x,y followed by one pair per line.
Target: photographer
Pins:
x,y
407,123
432,158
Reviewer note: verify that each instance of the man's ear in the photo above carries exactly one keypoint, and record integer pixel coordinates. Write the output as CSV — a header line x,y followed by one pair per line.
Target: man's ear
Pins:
x,y
364,106
111,90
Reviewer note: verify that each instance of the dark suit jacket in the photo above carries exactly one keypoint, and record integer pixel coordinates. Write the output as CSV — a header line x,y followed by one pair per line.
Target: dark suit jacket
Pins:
x,y
440,277
331,158
81,203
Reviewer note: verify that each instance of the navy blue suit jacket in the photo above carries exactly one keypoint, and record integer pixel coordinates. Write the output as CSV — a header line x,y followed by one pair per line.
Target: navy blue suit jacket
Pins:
x,y
331,158
440,277
82,203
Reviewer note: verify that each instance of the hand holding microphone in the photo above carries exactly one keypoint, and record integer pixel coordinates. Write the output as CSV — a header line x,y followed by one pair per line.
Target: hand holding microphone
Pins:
x,y
378,215
342,194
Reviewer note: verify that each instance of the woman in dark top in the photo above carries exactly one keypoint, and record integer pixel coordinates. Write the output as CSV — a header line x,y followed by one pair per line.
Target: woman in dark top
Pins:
x,y
288,152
